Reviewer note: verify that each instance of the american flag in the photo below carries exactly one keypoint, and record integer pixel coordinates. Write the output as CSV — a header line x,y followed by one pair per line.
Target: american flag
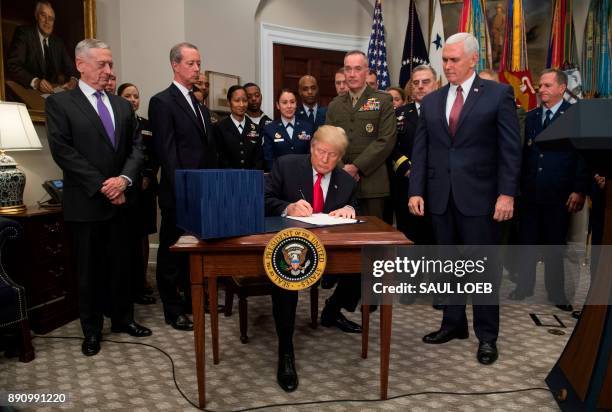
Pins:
x,y
377,50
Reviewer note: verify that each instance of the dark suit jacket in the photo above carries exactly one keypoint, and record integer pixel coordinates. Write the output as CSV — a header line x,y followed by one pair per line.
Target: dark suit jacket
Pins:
x,y
483,159
319,117
549,176
25,58
407,120
293,173
277,142
239,151
179,140
81,148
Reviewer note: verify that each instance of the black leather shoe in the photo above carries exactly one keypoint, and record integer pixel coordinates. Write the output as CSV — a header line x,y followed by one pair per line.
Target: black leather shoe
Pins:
x,y
286,375
181,322
132,329
487,353
566,308
445,335
91,345
145,300
340,322
518,295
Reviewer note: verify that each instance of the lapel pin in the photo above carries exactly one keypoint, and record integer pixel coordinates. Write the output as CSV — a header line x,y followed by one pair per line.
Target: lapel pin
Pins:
x,y
475,90
335,186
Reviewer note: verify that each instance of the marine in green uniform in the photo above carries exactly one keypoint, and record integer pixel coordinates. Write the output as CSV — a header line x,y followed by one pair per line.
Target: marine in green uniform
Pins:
x,y
368,118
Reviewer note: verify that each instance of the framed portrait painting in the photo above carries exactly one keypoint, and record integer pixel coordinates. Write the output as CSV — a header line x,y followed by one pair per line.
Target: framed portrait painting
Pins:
x,y
537,25
219,85
37,48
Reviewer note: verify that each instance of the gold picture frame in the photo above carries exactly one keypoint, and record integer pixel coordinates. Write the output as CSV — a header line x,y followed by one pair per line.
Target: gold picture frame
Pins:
x,y
219,84
74,21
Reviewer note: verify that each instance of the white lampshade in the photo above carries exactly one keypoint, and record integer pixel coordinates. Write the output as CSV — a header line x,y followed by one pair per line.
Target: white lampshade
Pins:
x,y
16,129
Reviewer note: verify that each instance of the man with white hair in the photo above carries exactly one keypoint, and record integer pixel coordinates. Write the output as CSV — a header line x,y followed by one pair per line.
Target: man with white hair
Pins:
x,y
470,164
92,138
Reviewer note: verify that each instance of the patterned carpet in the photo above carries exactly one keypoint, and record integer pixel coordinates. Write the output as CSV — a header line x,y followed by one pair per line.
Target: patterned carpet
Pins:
x,y
137,377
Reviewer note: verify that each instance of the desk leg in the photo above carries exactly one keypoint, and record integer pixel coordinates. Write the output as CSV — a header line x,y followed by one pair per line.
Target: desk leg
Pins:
x,y
214,316
365,330
385,348
197,302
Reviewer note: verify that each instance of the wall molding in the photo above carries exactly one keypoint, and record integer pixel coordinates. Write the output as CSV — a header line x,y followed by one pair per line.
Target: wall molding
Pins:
x,y
271,34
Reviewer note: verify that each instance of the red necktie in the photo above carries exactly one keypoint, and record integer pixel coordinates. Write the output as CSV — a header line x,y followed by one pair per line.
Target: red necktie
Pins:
x,y
317,195
453,118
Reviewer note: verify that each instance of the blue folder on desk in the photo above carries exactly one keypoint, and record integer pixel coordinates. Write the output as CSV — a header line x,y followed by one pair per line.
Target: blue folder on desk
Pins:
x,y
215,203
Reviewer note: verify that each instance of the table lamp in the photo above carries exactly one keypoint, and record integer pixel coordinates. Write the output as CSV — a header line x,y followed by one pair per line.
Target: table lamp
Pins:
x,y
16,133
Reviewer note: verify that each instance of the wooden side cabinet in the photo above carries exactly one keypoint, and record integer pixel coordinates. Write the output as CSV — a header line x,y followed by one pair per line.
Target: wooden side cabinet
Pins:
x,y
42,262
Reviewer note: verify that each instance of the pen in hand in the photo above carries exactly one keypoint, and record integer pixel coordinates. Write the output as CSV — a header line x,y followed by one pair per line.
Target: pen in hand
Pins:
x,y
302,194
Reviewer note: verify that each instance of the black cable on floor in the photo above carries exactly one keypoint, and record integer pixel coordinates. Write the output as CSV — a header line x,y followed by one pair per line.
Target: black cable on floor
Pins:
x,y
277,405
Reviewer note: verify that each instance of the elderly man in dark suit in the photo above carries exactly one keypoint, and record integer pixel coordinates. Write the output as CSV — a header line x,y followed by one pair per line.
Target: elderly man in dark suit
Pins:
x,y
467,155
92,137
37,58
183,139
301,185
553,186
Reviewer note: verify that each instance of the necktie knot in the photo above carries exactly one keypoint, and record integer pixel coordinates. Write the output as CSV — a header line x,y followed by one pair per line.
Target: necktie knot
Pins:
x,y
239,126
98,94
548,113
289,125
459,89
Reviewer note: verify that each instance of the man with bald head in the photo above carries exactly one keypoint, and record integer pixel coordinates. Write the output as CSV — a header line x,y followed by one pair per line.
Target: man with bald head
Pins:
x,y
310,110
467,166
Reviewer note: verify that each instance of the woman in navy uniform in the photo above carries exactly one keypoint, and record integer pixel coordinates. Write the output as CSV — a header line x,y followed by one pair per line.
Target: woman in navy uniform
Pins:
x,y
287,135
239,142
143,208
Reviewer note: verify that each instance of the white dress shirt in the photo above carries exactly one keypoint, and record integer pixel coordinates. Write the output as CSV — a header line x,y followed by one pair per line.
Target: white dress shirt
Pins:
x,y
89,92
552,109
466,86
237,123
289,130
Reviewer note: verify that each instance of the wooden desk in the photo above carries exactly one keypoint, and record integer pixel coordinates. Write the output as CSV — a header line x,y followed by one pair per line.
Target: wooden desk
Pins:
x,y
243,256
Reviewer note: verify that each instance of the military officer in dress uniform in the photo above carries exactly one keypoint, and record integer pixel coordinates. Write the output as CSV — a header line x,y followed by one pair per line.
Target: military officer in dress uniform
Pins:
x,y
238,140
368,118
310,110
254,111
553,186
416,228
289,135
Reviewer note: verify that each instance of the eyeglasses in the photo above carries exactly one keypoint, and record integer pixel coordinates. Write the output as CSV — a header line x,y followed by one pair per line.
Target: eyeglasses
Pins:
x,y
424,82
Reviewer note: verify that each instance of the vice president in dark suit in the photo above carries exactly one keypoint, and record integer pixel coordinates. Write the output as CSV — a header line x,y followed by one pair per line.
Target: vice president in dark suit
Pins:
x,y
183,139
92,137
37,58
300,185
467,155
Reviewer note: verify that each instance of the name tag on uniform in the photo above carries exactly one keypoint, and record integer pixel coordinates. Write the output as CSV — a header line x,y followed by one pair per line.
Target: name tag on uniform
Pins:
x,y
146,132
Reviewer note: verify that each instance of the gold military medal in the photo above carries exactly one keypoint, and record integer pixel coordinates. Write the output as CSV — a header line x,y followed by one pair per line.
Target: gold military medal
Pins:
x,y
369,127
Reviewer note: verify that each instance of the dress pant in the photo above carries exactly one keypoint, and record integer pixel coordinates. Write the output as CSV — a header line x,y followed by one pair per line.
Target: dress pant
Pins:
x,y
284,304
416,228
454,228
543,224
172,268
102,250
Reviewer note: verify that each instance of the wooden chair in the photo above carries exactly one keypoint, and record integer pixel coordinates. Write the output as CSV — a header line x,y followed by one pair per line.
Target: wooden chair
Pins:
x,y
245,286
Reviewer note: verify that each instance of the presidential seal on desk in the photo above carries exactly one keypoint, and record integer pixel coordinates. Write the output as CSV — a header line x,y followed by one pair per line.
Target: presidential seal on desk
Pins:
x,y
294,259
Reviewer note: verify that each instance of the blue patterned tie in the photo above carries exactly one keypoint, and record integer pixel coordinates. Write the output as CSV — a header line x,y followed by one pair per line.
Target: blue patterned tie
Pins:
x,y
106,118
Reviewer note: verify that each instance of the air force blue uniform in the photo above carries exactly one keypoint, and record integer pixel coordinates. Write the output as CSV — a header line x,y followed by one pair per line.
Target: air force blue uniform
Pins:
x,y
278,142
